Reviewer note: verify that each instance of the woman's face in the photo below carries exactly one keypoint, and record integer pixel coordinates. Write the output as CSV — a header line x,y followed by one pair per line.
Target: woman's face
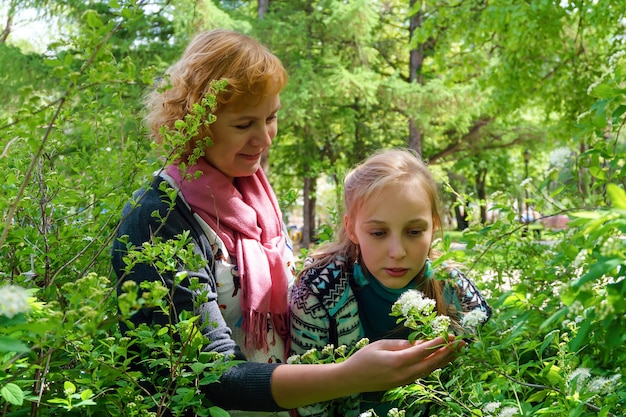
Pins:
x,y
240,137
394,233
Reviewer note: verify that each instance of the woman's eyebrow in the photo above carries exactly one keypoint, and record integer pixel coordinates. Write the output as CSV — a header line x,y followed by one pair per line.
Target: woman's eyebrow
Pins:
x,y
249,116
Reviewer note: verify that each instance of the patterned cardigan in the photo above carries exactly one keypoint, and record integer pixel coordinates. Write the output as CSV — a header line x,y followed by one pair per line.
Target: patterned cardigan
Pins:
x,y
324,310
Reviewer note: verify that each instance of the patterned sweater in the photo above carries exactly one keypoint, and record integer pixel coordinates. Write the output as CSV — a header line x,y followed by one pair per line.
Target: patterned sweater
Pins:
x,y
325,310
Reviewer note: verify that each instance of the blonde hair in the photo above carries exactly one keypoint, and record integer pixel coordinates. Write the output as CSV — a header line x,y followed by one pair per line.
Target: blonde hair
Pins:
x,y
249,68
363,184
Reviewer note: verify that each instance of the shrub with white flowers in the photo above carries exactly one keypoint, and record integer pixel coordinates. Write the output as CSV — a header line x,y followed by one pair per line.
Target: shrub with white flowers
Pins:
x,y
418,313
473,319
13,301
495,409
329,354
580,380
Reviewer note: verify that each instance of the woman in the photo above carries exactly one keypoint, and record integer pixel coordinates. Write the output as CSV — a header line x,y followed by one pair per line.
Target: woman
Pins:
x,y
225,202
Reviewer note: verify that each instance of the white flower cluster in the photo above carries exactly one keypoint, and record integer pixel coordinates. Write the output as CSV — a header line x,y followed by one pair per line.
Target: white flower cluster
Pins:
x,y
613,60
310,356
13,301
413,306
580,260
328,350
394,412
579,375
418,313
440,324
508,412
598,385
362,343
613,247
596,83
602,385
582,115
473,318
491,408
559,157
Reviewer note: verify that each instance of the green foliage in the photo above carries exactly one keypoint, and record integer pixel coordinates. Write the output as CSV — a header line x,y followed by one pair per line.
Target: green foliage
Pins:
x,y
495,76
553,346
89,364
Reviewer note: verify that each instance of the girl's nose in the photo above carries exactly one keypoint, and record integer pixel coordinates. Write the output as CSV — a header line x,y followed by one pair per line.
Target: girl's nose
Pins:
x,y
396,249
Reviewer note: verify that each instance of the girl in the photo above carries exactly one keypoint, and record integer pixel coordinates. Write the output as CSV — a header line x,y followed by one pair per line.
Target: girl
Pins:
x,y
348,287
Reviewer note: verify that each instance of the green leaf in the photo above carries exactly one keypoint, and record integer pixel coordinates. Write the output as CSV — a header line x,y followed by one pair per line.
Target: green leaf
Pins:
x,y
598,172
59,401
447,241
603,91
550,320
86,402
538,396
617,195
8,344
198,367
93,19
617,113
548,339
12,394
553,374
86,394
218,412
13,321
69,388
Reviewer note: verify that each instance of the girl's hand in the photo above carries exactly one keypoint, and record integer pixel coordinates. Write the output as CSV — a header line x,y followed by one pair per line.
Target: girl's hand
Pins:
x,y
379,366
390,363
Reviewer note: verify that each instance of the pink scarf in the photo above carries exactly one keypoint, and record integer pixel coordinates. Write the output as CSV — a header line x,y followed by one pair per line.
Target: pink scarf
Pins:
x,y
248,220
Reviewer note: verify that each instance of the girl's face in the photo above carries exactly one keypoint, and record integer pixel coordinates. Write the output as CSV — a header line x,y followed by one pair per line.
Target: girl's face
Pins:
x,y
240,137
394,233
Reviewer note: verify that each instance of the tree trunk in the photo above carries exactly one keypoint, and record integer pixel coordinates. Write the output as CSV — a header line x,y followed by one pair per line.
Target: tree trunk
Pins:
x,y
415,137
481,177
262,7
310,184
416,59
462,218
7,30
308,227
